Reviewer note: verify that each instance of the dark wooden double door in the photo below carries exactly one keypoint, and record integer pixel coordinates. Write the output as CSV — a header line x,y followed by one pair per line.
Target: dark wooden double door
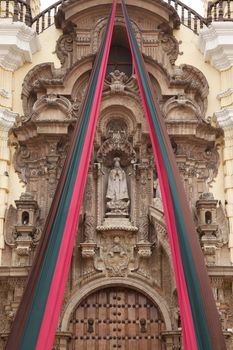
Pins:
x,y
117,318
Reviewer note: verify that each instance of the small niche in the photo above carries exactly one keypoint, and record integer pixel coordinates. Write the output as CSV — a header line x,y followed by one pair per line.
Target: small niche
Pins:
x,y
25,218
208,218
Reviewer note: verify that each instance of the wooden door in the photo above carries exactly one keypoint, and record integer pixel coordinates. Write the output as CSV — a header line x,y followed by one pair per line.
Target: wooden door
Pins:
x,y
116,318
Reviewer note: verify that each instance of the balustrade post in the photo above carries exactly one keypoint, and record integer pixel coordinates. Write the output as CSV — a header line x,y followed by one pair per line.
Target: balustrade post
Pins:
x,y
28,15
189,19
7,8
220,12
229,9
209,13
15,16
195,24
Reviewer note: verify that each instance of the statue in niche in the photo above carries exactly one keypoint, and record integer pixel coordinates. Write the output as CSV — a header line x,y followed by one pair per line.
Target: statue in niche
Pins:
x,y
117,192
157,200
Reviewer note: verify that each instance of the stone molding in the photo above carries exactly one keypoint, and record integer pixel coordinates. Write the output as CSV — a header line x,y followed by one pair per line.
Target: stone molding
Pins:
x,y
216,44
225,118
7,119
225,93
18,43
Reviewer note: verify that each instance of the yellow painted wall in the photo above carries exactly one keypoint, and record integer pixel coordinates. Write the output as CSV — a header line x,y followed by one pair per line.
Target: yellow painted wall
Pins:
x,y
48,41
193,56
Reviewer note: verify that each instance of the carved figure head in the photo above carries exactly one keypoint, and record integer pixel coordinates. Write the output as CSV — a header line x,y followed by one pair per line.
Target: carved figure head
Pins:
x,y
117,162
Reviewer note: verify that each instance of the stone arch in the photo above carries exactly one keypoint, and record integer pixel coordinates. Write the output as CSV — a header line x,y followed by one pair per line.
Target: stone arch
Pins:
x,y
131,109
119,21
93,286
111,107
76,73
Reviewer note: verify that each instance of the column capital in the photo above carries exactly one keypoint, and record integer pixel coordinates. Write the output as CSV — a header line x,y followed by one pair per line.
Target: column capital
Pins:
x,y
215,42
225,118
18,42
7,119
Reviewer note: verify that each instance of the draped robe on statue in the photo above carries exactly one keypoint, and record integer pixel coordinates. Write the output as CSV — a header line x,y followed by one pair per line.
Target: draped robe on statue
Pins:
x,y
117,184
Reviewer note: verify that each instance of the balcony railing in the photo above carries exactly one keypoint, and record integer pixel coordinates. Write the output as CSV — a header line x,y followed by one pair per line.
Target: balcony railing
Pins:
x,y
220,11
19,10
46,18
188,17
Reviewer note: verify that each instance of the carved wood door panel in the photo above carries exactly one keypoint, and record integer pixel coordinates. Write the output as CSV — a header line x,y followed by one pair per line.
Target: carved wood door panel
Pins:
x,y
116,318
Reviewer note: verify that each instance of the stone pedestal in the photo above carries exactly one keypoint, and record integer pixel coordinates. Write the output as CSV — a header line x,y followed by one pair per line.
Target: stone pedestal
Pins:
x,y
88,249
144,249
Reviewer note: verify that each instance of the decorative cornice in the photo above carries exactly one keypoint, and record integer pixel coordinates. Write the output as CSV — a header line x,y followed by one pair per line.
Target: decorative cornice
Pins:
x,y
225,93
215,42
7,119
4,93
225,118
18,43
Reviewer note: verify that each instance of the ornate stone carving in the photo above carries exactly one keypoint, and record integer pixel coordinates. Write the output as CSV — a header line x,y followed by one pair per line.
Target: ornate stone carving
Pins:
x,y
105,246
116,256
89,230
88,250
144,250
157,200
180,108
117,81
100,25
116,144
41,71
143,229
64,49
24,227
193,80
117,191
170,46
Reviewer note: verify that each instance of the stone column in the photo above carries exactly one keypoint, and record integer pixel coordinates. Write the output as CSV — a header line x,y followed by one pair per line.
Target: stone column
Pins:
x,y
217,47
18,42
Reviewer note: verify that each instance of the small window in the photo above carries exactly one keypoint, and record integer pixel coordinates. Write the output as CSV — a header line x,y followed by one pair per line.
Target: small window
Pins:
x,y
120,57
208,218
25,218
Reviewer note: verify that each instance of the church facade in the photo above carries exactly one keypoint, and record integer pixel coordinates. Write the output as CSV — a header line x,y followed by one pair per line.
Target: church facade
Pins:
x,y
121,291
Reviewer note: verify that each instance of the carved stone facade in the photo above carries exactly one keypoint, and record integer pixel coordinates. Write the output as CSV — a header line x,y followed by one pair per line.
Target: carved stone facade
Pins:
x,y
123,244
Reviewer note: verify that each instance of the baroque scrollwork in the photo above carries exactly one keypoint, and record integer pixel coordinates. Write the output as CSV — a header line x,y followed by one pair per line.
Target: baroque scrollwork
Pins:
x,y
64,48
116,144
170,46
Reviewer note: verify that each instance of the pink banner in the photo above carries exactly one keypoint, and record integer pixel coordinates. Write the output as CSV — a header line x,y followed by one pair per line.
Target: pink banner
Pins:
x,y
185,309
53,307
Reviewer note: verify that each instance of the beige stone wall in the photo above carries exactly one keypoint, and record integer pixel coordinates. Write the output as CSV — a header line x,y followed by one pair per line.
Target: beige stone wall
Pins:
x,y
191,55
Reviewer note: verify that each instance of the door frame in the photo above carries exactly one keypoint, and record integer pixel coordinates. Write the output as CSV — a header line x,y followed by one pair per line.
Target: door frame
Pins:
x,y
129,282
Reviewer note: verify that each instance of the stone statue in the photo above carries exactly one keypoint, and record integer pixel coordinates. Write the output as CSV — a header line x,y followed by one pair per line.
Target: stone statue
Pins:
x,y
157,188
117,193
157,200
